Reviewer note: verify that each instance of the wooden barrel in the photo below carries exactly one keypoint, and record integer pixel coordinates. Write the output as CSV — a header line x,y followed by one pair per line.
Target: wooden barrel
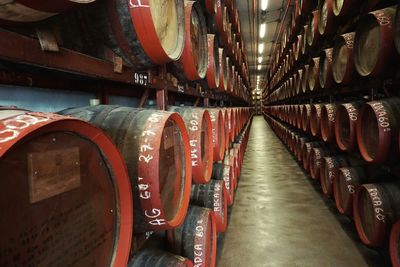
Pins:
x,y
227,122
223,70
329,172
229,87
220,17
71,189
304,44
306,77
347,116
22,11
199,127
374,43
376,208
394,244
317,155
396,29
313,32
144,32
344,187
158,161
196,238
194,60
306,115
313,76
151,257
378,130
326,17
325,69
315,120
224,172
213,71
231,125
213,196
307,148
343,8
210,6
343,58
218,133
328,114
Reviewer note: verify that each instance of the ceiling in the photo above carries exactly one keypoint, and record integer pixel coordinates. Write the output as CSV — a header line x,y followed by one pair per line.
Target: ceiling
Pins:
x,y
250,18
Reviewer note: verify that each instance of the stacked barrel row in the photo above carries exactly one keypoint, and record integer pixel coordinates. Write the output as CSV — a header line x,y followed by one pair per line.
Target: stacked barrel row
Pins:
x,y
200,41
88,191
341,146
315,60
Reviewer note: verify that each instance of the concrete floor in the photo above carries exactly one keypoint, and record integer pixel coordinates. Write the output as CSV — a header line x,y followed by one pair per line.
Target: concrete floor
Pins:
x,y
280,217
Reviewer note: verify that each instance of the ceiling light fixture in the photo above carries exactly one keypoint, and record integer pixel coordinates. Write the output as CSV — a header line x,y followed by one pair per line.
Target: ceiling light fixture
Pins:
x,y
260,59
259,67
263,30
264,5
260,48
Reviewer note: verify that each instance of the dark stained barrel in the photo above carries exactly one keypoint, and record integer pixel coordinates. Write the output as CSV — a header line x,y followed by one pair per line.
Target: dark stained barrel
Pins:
x,y
347,116
199,127
329,172
374,42
213,196
394,241
328,114
315,120
396,29
325,69
155,146
213,71
378,130
306,116
326,17
376,208
317,155
313,35
196,238
65,191
150,257
23,11
313,76
307,148
343,8
343,58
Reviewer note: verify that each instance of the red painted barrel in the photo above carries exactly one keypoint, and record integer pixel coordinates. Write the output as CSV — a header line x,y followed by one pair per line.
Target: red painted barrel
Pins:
x,y
196,238
71,189
22,11
197,44
210,6
224,172
347,116
343,59
326,17
329,172
307,148
223,71
213,71
328,114
218,133
325,69
151,257
376,207
158,161
313,78
213,196
374,43
144,32
220,17
199,127
378,130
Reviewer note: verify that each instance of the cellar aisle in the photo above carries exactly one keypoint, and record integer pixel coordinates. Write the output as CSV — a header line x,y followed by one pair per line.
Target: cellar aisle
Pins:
x,y
280,218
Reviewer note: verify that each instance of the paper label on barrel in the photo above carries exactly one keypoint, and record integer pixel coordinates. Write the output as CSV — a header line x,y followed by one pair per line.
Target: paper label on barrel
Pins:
x,y
53,172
